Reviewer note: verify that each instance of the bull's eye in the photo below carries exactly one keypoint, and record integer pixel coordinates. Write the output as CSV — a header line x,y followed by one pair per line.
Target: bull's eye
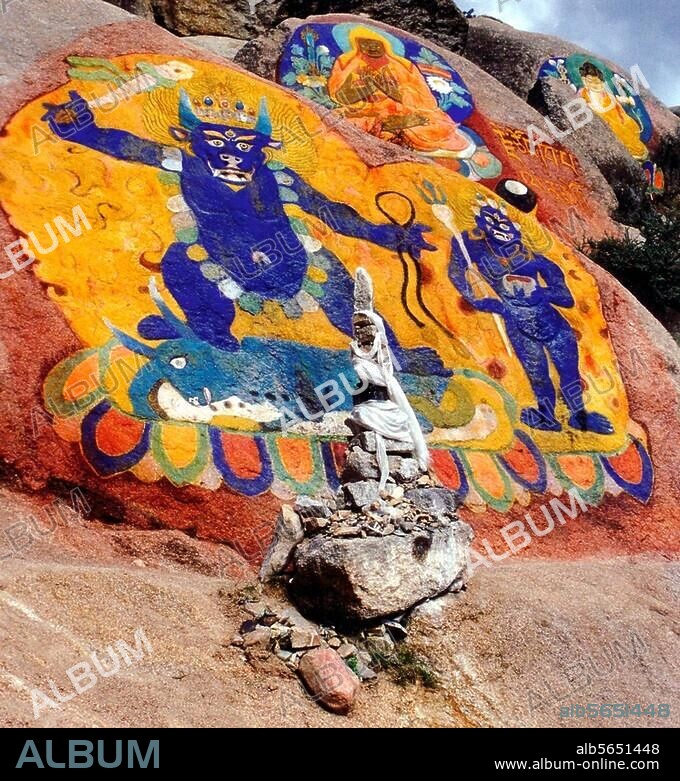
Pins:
x,y
178,362
243,147
216,142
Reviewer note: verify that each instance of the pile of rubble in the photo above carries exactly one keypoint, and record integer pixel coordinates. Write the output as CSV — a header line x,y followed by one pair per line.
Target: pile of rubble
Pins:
x,y
360,509
389,539
367,554
331,664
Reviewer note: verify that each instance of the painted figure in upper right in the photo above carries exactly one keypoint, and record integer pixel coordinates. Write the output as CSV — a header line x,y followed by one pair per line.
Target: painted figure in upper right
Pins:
x,y
611,108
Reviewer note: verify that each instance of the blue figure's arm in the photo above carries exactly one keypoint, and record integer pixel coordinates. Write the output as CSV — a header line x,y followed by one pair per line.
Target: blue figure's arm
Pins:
x,y
457,269
344,219
555,290
74,121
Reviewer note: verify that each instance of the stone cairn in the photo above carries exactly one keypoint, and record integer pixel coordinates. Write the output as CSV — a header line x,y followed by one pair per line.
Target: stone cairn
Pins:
x,y
357,562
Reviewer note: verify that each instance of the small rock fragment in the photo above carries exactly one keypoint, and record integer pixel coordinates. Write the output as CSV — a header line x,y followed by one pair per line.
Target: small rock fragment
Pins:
x,y
404,469
313,524
343,530
364,672
360,465
309,507
367,442
258,637
393,492
362,493
436,501
255,609
293,617
381,646
304,638
346,650
280,632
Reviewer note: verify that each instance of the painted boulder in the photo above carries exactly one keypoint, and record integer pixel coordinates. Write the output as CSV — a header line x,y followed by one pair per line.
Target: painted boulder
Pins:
x,y
441,107
626,124
176,308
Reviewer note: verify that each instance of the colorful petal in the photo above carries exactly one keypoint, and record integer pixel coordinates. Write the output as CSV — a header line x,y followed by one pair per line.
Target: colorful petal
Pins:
x,y
72,387
242,461
181,450
450,471
489,478
582,471
298,462
632,470
525,464
112,441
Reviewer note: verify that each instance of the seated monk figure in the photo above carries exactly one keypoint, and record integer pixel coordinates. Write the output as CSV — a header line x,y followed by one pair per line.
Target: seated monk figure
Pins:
x,y
387,96
609,108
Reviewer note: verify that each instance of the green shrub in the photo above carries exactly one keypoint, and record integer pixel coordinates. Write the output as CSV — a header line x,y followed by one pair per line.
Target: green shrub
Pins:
x,y
649,269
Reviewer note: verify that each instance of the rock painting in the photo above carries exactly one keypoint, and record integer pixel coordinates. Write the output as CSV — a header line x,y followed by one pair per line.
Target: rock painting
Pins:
x,y
614,100
392,88
213,294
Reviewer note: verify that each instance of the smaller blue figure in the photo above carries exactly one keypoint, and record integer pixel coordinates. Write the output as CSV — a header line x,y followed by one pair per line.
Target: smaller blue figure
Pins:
x,y
529,289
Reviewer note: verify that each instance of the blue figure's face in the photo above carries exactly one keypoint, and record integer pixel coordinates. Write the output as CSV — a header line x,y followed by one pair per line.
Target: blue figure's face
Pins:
x,y
192,368
497,226
231,154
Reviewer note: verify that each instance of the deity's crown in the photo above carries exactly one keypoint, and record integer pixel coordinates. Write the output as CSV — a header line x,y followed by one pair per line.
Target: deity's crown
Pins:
x,y
221,109
483,201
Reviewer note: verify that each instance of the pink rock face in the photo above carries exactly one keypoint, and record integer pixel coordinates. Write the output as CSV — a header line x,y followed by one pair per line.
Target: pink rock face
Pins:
x,y
35,336
329,680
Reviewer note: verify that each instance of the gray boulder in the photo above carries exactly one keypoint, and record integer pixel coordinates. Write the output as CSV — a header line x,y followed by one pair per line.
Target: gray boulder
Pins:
x,y
593,141
361,579
235,18
360,465
514,57
362,493
439,20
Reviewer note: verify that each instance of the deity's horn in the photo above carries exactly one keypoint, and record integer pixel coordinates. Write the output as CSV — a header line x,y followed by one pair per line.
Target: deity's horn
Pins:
x,y
264,122
187,118
132,344
169,316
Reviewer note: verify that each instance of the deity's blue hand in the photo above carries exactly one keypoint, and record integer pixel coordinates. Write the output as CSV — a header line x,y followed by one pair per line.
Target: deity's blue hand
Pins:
x,y
411,240
67,119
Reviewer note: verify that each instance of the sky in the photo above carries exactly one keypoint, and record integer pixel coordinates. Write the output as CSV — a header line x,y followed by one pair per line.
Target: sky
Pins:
x,y
628,32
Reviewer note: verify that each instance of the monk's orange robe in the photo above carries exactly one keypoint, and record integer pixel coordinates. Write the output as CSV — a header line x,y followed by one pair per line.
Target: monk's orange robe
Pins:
x,y
437,134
